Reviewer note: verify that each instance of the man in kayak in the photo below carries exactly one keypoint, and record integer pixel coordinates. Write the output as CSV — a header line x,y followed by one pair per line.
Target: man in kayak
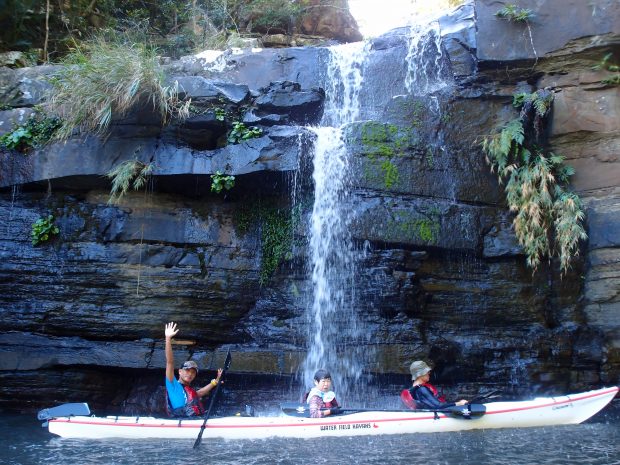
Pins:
x,y
181,399
321,398
423,394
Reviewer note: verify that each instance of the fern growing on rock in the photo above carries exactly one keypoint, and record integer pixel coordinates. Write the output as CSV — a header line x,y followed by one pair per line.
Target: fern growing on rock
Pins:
x,y
548,219
130,173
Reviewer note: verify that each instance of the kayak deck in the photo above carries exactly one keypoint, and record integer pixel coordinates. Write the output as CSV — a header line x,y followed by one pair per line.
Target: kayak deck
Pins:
x,y
546,411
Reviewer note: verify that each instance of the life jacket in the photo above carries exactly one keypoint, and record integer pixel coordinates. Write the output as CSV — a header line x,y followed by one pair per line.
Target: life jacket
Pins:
x,y
332,402
193,406
433,389
409,397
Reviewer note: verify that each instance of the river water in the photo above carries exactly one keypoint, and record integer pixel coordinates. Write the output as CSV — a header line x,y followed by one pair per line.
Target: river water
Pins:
x,y
596,442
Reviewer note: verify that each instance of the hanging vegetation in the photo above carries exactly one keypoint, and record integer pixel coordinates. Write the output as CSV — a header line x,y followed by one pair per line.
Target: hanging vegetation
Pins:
x,y
106,78
128,174
548,219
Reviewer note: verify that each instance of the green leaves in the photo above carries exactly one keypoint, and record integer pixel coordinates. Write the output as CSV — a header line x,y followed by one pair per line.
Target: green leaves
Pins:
x,y
548,220
511,12
606,65
18,139
219,182
35,132
240,133
43,229
130,173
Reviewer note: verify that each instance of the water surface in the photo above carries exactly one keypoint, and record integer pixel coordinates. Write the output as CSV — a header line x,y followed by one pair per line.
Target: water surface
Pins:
x,y
597,442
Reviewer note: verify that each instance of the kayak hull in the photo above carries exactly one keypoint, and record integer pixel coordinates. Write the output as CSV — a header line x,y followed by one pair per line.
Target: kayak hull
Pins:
x,y
548,411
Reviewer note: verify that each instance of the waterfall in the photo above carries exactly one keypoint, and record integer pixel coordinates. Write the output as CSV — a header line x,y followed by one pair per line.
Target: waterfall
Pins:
x,y
428,76
336,340
333,329
427,70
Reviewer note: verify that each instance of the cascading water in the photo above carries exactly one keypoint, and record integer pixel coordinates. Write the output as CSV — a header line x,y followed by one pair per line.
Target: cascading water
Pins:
x,y
333,329
428,76
335,338
427,70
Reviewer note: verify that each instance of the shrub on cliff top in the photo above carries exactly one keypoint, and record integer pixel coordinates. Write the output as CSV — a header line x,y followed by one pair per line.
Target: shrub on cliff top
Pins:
x,y
103,78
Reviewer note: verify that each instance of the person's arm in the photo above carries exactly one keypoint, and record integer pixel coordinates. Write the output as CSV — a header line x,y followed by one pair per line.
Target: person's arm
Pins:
x,y
316,405
425,399
203,391
170,331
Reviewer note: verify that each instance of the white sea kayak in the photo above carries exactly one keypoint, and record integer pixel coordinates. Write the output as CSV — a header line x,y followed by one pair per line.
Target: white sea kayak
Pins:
x,y
542,411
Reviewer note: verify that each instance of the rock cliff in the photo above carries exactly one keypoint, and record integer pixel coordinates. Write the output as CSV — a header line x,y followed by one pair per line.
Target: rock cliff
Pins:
x,y
441,276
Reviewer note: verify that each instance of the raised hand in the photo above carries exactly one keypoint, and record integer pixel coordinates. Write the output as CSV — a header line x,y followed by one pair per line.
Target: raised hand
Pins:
x,y
171,329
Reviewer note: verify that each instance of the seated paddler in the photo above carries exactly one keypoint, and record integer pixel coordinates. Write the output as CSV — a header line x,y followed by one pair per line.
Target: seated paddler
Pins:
x,y
422,394
321,399
182,400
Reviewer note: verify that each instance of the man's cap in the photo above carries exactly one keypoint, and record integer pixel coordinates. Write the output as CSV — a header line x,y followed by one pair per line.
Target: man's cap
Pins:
x,y
418,368
190,364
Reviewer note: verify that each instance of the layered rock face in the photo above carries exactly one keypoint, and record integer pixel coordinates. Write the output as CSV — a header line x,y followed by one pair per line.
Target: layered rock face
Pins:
x,y
309,22
440,275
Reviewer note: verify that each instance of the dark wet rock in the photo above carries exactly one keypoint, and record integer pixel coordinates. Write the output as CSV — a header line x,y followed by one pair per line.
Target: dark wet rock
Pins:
x,y
199,88
550,30
500,241
11,119
257,69
459,39
439,273
287,98
24,87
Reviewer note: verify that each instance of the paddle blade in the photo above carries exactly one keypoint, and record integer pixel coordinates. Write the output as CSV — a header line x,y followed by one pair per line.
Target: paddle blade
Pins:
x,y
64,410
294,409
468,411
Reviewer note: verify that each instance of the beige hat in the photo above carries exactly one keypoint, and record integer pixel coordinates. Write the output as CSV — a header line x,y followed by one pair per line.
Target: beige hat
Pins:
x,y
418,368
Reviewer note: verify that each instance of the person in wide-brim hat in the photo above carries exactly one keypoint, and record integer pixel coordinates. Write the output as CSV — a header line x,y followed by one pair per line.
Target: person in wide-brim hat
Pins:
x,y
422,394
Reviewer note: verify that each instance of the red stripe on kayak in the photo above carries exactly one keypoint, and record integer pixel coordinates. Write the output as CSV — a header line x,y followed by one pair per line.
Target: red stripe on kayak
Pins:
x,y
266,425
323,423
567,401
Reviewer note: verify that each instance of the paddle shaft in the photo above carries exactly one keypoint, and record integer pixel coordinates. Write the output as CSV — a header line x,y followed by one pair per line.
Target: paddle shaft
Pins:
x,y
212,402
488,395
296,409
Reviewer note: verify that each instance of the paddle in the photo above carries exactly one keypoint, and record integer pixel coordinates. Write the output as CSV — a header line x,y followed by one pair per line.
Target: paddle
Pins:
x,y
64,410
217,389
465,411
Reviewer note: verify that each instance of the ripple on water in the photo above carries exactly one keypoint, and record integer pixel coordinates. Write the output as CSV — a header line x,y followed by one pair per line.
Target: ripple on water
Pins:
x,y
24,442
